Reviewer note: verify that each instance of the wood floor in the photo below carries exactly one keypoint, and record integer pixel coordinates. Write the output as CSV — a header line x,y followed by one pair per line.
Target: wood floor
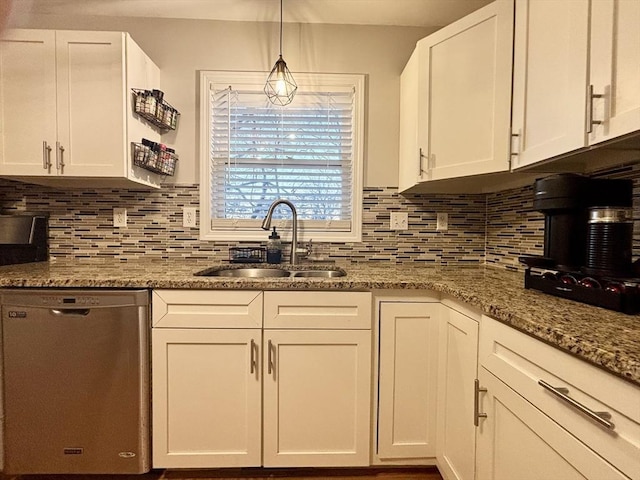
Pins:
x,y
401,473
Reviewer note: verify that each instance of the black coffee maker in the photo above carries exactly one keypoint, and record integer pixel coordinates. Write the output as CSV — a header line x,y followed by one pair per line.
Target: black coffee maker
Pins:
x,y
588,223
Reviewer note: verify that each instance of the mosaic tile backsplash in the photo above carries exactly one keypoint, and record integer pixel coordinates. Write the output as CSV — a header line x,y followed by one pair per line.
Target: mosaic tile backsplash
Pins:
x,y
514,228
81,225
494,228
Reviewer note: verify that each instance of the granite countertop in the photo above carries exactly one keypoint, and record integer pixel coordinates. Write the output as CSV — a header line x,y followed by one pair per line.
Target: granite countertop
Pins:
x,y
602,337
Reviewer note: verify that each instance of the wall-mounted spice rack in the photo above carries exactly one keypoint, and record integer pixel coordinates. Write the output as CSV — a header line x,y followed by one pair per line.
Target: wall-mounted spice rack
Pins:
x,y
155,157
151,106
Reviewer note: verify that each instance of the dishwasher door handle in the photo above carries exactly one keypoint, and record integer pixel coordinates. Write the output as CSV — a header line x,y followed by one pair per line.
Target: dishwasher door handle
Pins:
x,y
82,312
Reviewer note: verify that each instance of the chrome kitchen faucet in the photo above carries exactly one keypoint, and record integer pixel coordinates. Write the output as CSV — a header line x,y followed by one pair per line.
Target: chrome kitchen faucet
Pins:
x,y
266,225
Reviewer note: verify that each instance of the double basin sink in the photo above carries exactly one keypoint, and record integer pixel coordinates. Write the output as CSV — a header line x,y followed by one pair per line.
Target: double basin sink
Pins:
x,y
271,272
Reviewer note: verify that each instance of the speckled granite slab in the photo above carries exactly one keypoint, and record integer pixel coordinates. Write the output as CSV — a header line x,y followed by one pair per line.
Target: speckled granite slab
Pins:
x,y
605,338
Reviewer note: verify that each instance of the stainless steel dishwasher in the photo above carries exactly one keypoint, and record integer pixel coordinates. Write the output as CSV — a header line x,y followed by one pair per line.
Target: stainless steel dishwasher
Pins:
x,y
75,380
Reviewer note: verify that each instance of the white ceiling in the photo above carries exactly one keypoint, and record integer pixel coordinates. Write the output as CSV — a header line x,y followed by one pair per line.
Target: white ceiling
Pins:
x,y
420,13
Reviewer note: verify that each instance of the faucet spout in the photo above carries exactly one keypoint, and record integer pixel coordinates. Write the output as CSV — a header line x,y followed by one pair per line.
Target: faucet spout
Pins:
x,y
266,225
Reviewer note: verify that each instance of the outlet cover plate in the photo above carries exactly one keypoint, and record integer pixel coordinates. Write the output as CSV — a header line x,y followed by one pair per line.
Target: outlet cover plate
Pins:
x,y
189,218
442,222
399,221
119,217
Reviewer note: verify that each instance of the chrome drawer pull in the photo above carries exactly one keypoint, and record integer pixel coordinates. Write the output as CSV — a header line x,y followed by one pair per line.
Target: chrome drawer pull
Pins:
x,y
254,357
476,402
270,363
602,418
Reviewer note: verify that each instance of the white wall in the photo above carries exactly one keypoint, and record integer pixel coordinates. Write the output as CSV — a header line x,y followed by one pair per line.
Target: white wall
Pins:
x,y
183,47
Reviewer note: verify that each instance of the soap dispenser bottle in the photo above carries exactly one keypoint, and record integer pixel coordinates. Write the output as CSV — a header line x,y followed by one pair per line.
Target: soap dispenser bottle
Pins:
x,y
274,248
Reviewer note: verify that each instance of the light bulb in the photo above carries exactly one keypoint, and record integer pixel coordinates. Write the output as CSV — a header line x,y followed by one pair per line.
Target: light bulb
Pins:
x,y
281,86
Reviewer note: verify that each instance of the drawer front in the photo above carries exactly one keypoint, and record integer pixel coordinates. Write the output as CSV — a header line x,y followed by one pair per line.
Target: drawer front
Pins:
x,y
531,367
206,309
318,310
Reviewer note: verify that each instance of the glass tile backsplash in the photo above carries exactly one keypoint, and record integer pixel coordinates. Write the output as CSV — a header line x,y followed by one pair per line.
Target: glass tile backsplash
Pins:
x,y
490,228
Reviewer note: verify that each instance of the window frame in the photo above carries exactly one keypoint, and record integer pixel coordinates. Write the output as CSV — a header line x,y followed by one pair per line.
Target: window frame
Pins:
x,y
244,79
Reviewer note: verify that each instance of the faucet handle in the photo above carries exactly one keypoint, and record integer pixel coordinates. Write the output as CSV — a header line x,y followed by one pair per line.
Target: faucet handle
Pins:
x,y
307,250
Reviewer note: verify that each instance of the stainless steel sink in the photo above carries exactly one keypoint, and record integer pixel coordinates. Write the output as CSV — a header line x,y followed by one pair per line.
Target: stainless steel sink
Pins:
x,y
245,272
270,272
318,273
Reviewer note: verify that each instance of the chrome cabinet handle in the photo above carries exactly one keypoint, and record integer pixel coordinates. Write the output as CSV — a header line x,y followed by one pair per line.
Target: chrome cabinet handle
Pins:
x,y
61,150
516,151
57,155
477,389
420,169
271,363
601,418
46,155
254,357
590,121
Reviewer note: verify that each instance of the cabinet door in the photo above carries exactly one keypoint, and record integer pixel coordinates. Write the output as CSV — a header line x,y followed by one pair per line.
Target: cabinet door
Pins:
x,y
27,102
458,366
615,68
91,102
317,393
410,168
407,380
549,78
517,440
467,76
206,398
540,373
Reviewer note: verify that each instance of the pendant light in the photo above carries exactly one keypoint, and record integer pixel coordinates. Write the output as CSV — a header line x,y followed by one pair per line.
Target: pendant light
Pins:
x,y
280,86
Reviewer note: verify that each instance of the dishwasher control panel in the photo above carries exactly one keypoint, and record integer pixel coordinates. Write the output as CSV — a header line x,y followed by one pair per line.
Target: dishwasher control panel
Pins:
x,y
61,301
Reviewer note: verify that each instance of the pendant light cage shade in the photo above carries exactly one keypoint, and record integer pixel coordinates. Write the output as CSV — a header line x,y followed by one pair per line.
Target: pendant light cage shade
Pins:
x,y
280,87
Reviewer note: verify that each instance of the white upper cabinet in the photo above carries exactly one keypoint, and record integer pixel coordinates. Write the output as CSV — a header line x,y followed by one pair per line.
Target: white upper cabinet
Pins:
x,y
410,172
549,79
575,80
455,115
65,107
615,68
28,96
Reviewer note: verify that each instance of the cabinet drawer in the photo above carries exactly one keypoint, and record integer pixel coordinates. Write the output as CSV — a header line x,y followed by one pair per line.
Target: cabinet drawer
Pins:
x,y
334,310
206,309
522,362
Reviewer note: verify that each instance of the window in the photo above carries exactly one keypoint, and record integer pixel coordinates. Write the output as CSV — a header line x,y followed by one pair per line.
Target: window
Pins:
x,y
253,152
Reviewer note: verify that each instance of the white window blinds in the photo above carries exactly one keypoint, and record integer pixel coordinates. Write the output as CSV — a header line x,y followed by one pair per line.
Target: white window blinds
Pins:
x,y
309,152
305,152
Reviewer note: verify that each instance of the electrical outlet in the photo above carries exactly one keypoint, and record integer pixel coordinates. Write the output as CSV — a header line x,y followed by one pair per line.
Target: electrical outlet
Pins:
x,y
189,218
399,221
119,217
442,222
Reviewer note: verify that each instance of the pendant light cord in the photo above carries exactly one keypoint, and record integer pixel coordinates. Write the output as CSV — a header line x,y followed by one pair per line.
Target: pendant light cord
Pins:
x,y
281,27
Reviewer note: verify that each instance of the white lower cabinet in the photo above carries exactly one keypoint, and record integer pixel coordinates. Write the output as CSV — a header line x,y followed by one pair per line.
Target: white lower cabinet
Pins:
x,y
407,362
232,392
284,379
517,440
316,398
207,405
457,372
550,415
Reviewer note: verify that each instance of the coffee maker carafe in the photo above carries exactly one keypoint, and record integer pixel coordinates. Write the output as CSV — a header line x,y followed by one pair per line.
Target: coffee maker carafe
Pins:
x,y
588,223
